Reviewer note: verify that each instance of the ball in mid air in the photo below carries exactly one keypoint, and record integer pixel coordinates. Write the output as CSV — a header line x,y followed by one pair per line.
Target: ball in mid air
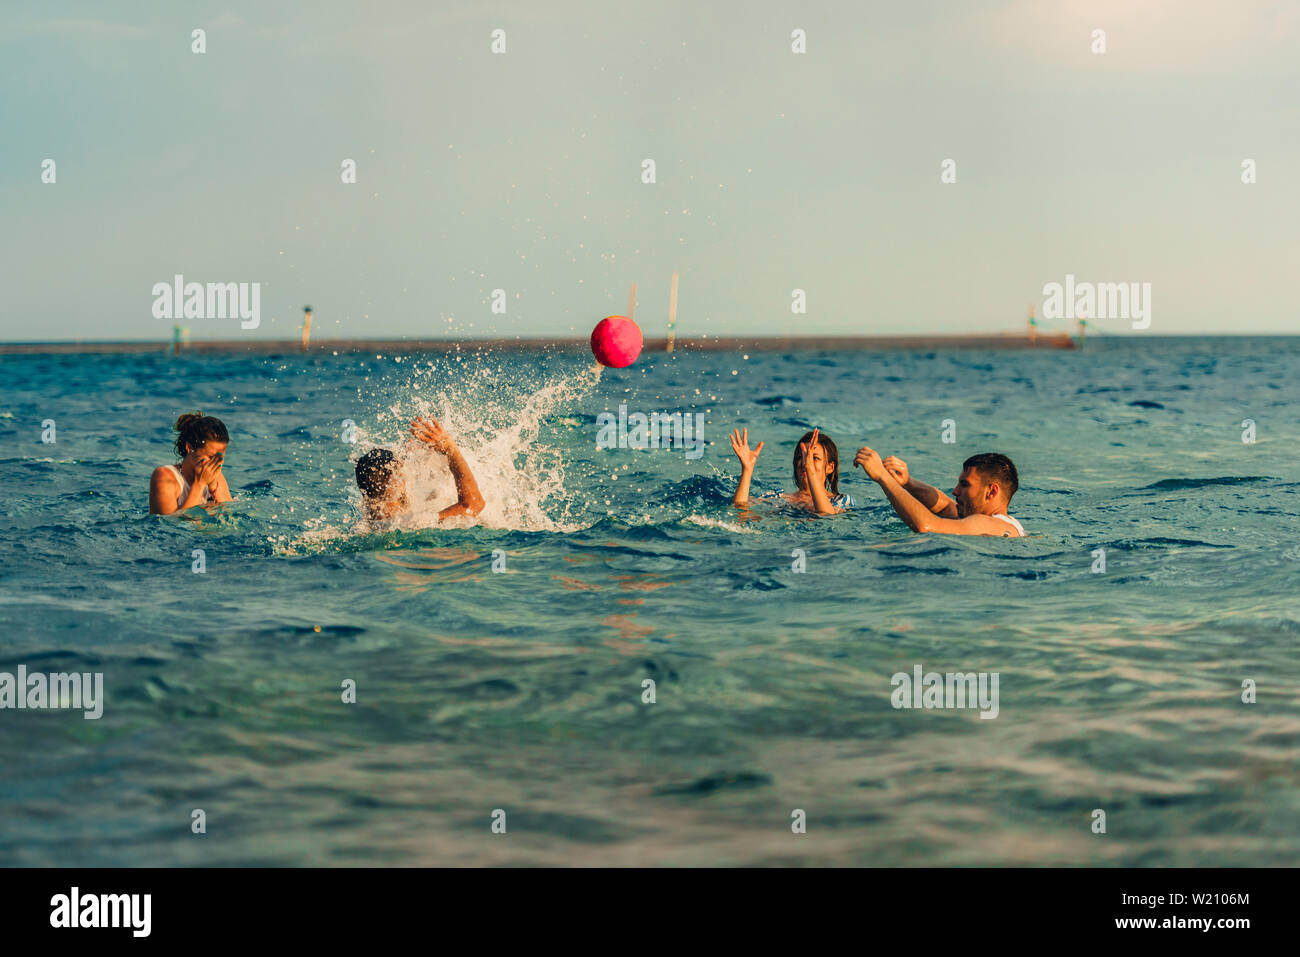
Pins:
x,y
616,341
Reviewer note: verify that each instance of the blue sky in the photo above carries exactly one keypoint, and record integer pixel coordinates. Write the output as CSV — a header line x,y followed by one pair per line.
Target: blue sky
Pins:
x,y
522,171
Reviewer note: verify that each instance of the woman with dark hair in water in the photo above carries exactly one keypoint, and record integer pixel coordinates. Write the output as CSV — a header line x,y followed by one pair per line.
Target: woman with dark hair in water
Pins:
x,y
816,473
201,442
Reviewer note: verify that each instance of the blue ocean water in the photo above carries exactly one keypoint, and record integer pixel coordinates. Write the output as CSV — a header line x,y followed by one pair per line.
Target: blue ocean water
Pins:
x,y
522,689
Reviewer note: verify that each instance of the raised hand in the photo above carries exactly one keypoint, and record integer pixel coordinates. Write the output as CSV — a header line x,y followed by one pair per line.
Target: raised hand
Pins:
x,y
428,431
897,468
870,461
740,445
814,466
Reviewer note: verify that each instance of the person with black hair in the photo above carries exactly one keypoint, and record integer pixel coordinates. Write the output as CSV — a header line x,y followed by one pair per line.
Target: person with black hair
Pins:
x,y
201,442
383,483
979,501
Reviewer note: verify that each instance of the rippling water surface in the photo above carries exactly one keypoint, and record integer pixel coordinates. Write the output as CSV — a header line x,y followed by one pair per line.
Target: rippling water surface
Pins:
x,y
522,690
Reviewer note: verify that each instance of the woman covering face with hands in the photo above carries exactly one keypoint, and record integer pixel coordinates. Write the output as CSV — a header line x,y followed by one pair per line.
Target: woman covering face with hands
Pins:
x,y
201,442
816,474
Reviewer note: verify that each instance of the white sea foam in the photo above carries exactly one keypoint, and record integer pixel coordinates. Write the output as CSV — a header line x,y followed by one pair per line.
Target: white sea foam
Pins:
x,y
707,522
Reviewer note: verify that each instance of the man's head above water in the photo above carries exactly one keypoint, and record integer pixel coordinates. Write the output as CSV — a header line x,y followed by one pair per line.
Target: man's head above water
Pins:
x,y
382,479
986,484
382,484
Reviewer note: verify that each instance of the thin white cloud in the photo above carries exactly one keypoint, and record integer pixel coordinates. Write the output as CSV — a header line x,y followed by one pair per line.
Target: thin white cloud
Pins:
x,y
1166,36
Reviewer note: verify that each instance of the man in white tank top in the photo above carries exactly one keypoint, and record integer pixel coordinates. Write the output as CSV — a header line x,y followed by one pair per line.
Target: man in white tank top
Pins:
x,y
979,501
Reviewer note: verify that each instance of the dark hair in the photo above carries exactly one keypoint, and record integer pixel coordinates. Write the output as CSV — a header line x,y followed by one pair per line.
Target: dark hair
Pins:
x,y
194,430
995,467
374,472
832,456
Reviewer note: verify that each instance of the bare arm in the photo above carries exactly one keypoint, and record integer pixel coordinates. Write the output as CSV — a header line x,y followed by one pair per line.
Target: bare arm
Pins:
x,y
970,525
748,459
162,491
933,499
822,500
909,509
929,496
219,490
814,470
469,501
936,501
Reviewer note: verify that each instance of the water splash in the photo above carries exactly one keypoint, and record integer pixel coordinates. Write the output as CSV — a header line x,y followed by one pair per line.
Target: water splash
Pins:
x,y
498,424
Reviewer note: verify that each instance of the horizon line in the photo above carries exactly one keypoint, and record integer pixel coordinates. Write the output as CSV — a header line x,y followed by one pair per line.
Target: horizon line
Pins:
x,y
999,340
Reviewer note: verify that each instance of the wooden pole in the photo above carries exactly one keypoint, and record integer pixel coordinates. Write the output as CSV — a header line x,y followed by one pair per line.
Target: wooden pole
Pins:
x,y
672,313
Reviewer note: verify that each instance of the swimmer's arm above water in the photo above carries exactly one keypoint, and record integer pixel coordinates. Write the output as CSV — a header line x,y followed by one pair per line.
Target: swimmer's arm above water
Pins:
x,y
929,496
748,459
814,470
910,510
469,501
916,515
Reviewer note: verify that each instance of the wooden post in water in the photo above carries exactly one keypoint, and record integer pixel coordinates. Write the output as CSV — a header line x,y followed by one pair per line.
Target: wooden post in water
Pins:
x,y
672,312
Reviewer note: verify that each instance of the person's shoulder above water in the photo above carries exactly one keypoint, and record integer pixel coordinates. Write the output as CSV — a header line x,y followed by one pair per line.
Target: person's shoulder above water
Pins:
x,y
1020,529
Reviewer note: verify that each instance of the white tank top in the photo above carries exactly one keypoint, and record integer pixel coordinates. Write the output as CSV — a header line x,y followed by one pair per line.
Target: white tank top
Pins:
x,y
1012,522
185,488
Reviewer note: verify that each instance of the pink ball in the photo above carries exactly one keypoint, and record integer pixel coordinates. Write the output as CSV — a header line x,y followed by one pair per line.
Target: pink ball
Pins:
x,y
616,341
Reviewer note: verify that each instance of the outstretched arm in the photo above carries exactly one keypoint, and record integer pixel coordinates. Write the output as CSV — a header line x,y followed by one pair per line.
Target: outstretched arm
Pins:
x,y
916,515
911,511
469,501
929,496
748,459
